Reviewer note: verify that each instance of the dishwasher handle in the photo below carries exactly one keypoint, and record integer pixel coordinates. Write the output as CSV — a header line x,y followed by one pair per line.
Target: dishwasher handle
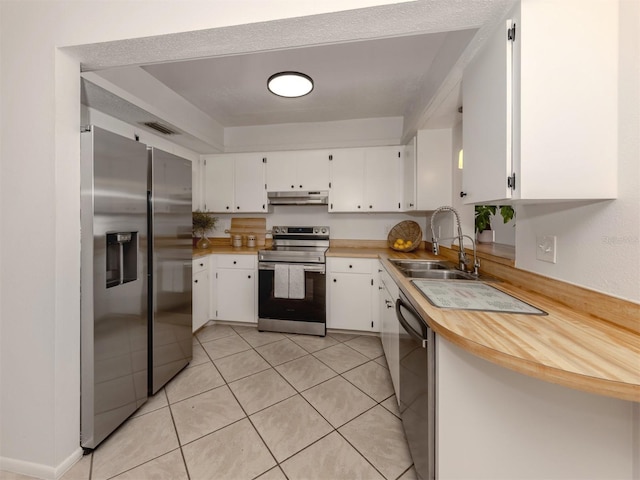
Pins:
x,y
417,336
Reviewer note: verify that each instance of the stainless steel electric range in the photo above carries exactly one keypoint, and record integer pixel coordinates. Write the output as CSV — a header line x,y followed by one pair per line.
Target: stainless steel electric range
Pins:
x,y
292,281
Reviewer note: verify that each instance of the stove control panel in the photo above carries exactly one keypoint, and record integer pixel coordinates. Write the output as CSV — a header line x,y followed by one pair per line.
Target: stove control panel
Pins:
x,y
321,231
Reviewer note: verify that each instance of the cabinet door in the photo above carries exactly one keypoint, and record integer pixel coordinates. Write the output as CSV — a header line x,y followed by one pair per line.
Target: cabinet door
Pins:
x,y
200,294
218,188
350,302
487,125
281,171
434,176
390,337
383,170
236,294
313,170
409,168
250,192
347,180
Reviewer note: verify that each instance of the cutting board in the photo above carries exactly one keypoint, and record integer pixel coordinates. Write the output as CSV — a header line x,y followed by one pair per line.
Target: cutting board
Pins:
x,y
246,226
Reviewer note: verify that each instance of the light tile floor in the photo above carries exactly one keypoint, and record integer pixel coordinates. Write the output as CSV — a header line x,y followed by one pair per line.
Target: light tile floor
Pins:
x,y
267,406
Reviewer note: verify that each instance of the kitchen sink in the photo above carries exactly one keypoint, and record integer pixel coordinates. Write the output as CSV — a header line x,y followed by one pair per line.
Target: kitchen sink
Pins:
x,y
434,270
415,265
440,274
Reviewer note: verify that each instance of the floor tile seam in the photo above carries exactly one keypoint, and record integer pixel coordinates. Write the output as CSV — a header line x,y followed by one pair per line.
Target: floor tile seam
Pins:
x,y
227,382
333,369
361,353
143,463
193,396
186,444
408,468
228,355
317,384
304,448
368,395
264,442
175,428
359,452
285,379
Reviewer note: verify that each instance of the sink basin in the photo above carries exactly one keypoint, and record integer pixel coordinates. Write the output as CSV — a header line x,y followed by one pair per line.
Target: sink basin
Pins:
x,y
434,270
440,274
422,265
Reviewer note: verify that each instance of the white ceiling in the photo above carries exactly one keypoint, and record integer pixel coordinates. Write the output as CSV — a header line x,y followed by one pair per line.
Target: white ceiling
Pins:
x,y
412,72
368,79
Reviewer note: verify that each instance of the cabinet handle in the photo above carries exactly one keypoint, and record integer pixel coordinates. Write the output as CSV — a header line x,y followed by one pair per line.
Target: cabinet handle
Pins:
x,y
202,264
234,262
227,207
358,206
237,208
195,281
334,280
350,266
370,206
249,276
411,204
463,194
293,186
300,186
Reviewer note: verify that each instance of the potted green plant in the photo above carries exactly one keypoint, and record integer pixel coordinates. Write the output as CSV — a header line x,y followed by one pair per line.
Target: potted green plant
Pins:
x,y
483,214
203,222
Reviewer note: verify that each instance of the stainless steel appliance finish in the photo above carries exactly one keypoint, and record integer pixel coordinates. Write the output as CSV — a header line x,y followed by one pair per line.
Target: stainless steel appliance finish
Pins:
x,y
170,252
135,277
113,282
417,387
304,248
298,198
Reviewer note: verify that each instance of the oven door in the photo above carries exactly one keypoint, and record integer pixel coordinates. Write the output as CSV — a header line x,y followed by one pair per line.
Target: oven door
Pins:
x,y
311,308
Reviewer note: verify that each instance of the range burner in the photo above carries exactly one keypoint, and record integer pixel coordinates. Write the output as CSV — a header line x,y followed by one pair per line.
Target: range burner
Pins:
x,y
297,245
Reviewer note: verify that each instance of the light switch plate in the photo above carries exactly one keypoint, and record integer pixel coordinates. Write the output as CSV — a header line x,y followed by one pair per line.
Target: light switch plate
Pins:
x,y
546,248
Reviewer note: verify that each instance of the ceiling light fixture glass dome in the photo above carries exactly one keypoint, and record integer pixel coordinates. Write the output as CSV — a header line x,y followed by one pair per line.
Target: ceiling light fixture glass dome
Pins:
x,y
290,84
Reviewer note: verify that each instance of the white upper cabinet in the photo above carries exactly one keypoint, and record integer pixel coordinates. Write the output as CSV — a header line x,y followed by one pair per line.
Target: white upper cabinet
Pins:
x,y
409,176
366,180
540,109
235,183
306,170
434,176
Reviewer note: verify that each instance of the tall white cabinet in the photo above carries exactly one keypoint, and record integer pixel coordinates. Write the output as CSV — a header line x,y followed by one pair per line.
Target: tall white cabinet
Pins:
x,y
540,105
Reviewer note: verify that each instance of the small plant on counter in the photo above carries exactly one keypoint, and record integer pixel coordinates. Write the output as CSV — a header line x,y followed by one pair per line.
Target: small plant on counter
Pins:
x,y
203,222
483,214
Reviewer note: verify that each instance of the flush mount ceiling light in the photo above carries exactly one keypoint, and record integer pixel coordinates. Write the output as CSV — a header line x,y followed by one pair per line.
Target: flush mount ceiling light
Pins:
x,y
290,84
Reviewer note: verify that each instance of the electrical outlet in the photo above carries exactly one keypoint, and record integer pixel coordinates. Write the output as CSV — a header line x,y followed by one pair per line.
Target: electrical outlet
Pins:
x,y
546,248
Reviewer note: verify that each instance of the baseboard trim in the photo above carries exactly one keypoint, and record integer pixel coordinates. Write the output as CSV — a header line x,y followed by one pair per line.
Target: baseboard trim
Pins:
x,y
39,470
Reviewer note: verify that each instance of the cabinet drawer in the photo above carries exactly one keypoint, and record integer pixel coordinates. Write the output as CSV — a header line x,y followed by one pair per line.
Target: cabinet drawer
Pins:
x,y
200,264
237,261
350,265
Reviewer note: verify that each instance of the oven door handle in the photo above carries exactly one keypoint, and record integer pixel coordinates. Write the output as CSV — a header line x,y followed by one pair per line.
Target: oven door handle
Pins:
x,y
403,321
316,268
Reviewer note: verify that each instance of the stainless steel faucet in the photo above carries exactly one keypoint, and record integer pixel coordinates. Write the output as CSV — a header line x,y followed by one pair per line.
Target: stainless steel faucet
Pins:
x,y
462,256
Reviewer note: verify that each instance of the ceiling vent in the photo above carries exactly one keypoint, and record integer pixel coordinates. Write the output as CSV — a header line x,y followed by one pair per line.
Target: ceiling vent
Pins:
x,y
158,127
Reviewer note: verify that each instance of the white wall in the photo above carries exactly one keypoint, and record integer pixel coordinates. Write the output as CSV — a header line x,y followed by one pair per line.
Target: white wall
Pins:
x,y
598,243
39,196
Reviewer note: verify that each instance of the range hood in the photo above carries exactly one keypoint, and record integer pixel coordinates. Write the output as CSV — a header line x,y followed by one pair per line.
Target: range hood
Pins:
x,y
298,198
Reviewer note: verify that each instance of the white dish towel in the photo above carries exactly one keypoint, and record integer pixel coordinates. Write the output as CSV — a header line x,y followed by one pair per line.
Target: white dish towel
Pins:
x,y
296,281
281,281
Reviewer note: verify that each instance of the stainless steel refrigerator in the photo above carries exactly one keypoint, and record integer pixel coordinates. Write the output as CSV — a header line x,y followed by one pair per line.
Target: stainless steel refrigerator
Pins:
x,y
134,320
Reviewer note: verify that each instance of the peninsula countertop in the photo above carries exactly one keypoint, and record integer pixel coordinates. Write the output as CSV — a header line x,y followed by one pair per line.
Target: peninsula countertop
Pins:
x,y
569,346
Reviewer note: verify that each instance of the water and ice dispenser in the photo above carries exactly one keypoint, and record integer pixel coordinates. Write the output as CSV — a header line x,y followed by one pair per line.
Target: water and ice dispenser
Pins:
x,y
122,258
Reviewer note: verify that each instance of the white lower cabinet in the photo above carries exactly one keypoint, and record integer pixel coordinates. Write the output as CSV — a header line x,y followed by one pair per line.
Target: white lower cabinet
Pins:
x,y
200,292
352,294
389,327
234,288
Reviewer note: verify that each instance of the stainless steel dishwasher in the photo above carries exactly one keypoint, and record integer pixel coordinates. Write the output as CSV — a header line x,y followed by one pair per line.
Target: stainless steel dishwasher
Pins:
x,y
417,387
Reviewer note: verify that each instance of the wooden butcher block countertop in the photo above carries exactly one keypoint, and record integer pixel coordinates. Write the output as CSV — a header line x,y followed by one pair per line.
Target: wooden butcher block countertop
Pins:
x,y
569,346
588,341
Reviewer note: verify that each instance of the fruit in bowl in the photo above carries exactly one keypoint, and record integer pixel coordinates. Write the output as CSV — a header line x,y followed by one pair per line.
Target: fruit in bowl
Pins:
x,y
402,244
